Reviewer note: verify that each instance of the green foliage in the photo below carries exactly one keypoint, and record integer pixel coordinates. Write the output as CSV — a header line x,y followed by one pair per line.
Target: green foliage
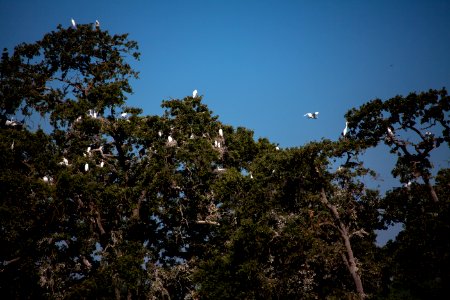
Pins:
x,y
180,206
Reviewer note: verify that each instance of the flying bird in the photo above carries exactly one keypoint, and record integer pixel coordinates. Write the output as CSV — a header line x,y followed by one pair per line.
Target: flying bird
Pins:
x,y
312,115
194,94
344,132
74,25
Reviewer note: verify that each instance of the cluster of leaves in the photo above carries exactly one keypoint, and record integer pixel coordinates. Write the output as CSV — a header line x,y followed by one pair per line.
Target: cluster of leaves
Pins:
x,y
109,203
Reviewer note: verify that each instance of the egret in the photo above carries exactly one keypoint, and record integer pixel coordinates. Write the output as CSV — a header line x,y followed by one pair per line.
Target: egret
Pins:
x,y
11,123
216,143
312,115
192,136
160,133
86,167
12,146
221,132
169,139
88,150
74,25
277,148
344,132
46,179
124,115
102,164
194,94
64,162
97,24
390,132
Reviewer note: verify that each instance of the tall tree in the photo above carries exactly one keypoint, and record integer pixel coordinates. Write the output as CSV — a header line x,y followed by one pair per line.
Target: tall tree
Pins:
x,y
412,126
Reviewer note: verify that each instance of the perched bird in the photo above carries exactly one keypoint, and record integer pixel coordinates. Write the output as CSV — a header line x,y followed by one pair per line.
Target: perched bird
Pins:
x,y
160,133
97,24
92,113
64,162
221,132
171,142
46,179
74,25
124,115
194,94
277,148
312,115
390,132
102,164
12,146
344,132
11,123
86,167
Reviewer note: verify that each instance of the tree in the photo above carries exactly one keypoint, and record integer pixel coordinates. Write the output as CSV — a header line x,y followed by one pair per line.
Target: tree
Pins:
x,y
412,126
101,201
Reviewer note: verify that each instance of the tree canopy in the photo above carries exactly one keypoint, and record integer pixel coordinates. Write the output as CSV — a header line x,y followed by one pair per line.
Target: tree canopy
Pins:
x,y
101,201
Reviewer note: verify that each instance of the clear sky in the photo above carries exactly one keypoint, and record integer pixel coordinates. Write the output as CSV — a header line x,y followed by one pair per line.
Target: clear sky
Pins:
x,y
263,64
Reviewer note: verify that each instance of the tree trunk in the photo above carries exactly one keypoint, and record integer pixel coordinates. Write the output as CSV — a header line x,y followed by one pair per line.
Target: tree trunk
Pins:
x,y
431,188
349,258
351,263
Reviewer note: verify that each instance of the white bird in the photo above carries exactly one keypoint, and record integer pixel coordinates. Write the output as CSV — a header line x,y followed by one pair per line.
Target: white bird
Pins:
x,y
216,143
86,167
160,133
124,115
102,164
221,132
88,150
45,178
11,123
277,148
312,115
64,162
194,94
192,136
92,113
344,132
74,25
390,132
169,139
12,146
97,24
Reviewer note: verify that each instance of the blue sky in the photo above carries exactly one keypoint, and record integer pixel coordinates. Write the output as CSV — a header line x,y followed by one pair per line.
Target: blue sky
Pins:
x,y
264,64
